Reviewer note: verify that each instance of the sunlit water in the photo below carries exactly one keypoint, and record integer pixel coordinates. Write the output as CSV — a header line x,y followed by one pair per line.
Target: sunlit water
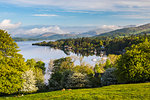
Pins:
x,y
45,54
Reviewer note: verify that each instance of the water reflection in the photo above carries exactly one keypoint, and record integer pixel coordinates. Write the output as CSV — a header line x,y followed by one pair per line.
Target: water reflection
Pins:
x,y
46,54
85,52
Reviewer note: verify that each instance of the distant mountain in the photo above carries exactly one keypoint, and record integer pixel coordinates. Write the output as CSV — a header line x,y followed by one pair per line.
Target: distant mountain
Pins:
x,y
59,36
55,32
104,29
47,34
128,31
52,35
96,32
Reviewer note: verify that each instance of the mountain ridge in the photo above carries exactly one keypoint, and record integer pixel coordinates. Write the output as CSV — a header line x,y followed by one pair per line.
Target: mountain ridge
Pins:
x,y
128,31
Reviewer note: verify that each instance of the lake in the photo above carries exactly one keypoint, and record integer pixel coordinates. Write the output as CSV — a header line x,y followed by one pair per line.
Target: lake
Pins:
x,y
45,54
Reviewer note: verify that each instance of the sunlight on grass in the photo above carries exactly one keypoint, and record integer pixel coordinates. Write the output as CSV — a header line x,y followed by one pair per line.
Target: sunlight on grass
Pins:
x,y
139,91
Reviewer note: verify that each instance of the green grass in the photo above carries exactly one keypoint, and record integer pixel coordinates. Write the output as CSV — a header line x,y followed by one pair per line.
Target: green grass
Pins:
x,y
139,91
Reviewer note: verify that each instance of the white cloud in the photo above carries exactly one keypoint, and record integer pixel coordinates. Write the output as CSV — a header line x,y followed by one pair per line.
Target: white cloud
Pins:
x,y
100,5
7,25
54,29
135,16
113,27
89,6
45,15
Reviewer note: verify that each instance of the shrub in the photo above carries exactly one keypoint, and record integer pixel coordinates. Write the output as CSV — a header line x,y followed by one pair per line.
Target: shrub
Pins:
x,y
41,65
66,75
55,81
29,85
38,70
109,77
39,77
77,80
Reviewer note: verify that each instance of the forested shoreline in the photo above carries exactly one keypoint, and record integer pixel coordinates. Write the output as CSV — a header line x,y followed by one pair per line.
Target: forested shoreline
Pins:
x,y
95,45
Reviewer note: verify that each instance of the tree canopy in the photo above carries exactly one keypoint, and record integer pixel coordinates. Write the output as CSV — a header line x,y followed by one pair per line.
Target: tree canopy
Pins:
x,y
134,65
12,65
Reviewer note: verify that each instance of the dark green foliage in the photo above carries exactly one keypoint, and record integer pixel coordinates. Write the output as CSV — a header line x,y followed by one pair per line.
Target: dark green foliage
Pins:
x,y
60,71
85,46
41,65
134,65
65,78
93,46
108,64
55,81
109,77
118,45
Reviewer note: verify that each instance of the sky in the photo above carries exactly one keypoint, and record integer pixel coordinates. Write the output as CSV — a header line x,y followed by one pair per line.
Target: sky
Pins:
x,y
17,13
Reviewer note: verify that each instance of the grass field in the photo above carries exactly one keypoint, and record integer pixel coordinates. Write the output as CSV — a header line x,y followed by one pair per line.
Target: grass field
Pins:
x,y
139,91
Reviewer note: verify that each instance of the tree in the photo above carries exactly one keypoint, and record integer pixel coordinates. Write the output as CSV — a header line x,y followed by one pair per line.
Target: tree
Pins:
x,y
108,64
84,69
7,45
12,65
37,71
59,67
134,65
112,58
97,69
31,63
62,70
62,64
29,85
39,77
109,77
41,65
77,80
55,81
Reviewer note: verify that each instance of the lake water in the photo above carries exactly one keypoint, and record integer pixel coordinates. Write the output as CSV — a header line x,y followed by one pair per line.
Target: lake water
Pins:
x,y
45,54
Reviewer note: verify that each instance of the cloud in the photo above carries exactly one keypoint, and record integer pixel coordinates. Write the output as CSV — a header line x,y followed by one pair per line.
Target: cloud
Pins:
x,y
7,25
141,16
141,7
36,31
45,15
113,27
98,5
16,30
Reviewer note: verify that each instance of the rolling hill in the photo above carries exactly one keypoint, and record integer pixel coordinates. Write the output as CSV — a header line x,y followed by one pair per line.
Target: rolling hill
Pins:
x,y
122,31
128,31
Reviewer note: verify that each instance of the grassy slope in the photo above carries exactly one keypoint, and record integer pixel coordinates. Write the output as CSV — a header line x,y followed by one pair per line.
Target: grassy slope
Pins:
x,y
114,92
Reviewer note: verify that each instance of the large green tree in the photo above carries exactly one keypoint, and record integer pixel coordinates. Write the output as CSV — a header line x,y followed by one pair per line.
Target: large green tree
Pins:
x,y
12,65
134,65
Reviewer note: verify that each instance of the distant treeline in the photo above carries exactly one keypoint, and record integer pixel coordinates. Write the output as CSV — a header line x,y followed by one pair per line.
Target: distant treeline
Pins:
x,y
111,46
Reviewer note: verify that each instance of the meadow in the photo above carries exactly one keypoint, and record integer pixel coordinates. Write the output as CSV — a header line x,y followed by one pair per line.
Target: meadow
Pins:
x,y
140,91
